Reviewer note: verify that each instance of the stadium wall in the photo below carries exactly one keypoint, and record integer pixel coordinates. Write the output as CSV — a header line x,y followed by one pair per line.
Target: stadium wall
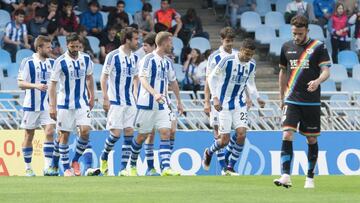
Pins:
x,y
339,153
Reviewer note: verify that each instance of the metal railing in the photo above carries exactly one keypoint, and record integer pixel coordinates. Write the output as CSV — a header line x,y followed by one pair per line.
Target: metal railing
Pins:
x,y
335,114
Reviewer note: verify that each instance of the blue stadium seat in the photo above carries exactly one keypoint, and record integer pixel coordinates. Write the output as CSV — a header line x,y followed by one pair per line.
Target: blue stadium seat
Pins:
x,y
108,3
156,4
281,5
350,85
178,46
328,86
5,18
131,19
200,43
263,7
9,83
285,32
250,20
348,58
13,70
62,41
94,44
104,16
338,73
97,69
180,75
5,104
339,100
274,19
5,57
133,6
356,72
275,46
315,32
264,34
23,53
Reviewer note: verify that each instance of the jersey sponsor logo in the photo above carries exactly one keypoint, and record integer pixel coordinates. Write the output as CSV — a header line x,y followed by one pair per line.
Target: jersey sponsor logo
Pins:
x,y
294,63
77,74
291,52
309,51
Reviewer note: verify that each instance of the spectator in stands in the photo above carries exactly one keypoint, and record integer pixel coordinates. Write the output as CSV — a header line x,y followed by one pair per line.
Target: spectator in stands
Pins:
x,y
53,31
355,19
144,19
38,25
299,7
165,16
16,35
12,5
30,9
108,43
83,43
201,70
192,26
92,19
118,16
339,31
82,32
238,7
52,11
191,82
350,6
323,10
68,20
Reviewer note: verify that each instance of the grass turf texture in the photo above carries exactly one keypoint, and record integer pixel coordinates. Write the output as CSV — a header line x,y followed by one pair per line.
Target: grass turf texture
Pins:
x,y
176,189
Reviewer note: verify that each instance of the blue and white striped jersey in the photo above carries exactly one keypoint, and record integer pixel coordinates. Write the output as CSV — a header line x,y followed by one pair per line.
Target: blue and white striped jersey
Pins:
x,y
159,71
215,58
33,70
15,33
229,79
71,75
121,69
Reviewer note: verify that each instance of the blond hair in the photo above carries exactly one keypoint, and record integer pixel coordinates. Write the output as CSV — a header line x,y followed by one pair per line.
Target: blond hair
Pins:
x,y
40,41
161,37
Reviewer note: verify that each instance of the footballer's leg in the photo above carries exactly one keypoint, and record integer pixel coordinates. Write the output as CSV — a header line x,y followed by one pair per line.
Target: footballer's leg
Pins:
x,y
88,161
149,154
165,153
236,151
229,148
48,148
110,141
56,158
126,150
27,149
64,152
220,154
136,146
313,150
81,144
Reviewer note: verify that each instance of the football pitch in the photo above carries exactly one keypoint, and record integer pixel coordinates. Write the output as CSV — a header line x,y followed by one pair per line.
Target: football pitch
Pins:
x,y
176,189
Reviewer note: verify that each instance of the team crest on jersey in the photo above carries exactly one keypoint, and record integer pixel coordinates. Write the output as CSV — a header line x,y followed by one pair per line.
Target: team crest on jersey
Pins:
x,y
59,124
25,121
138,125
309,51
82,64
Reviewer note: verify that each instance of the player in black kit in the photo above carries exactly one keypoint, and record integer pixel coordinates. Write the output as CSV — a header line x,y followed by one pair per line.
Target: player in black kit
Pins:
x,y
304,64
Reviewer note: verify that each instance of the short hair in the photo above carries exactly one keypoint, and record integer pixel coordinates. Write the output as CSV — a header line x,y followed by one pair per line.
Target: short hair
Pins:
x,y
150,38
147,7
72,37
80,29
52,27
299,21
120,2
40,12
248,43
161,37
127,33
19,12
227,32
40,41
94,3
55,2
169,1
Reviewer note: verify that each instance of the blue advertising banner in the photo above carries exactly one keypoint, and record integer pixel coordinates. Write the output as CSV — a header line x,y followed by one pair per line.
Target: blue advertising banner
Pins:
x,y
339,153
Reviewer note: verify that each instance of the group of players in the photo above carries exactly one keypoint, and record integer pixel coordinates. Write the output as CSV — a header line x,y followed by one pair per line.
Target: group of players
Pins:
x,y
135,95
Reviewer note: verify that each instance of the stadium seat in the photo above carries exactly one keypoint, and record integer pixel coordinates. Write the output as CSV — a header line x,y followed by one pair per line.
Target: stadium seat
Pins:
x,y
350,85
62,41
97,71
5,18
108,3
5,57
328,86
315,32
131,19
9,83
133,6
285,32
200,43
104,16
156,4
275,46
5,104
339,100
356,72
94,44
178,46
23,53
274,19
338,73
12,70
348,58
263,7
250,20
264,34
180,75
281,5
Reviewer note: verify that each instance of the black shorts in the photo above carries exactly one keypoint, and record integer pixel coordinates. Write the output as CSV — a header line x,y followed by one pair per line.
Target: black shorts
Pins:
x,y
307,116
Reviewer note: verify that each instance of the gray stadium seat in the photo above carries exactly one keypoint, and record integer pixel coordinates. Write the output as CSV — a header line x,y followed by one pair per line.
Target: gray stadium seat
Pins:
x,y
274,19
263,7
356,72
285,32
338,73
315,32
281,5
200,43
250,21
350,85
23,53
264,34
275,46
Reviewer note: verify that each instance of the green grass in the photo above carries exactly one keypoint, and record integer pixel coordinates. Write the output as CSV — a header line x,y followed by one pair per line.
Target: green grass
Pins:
x,y
176,189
